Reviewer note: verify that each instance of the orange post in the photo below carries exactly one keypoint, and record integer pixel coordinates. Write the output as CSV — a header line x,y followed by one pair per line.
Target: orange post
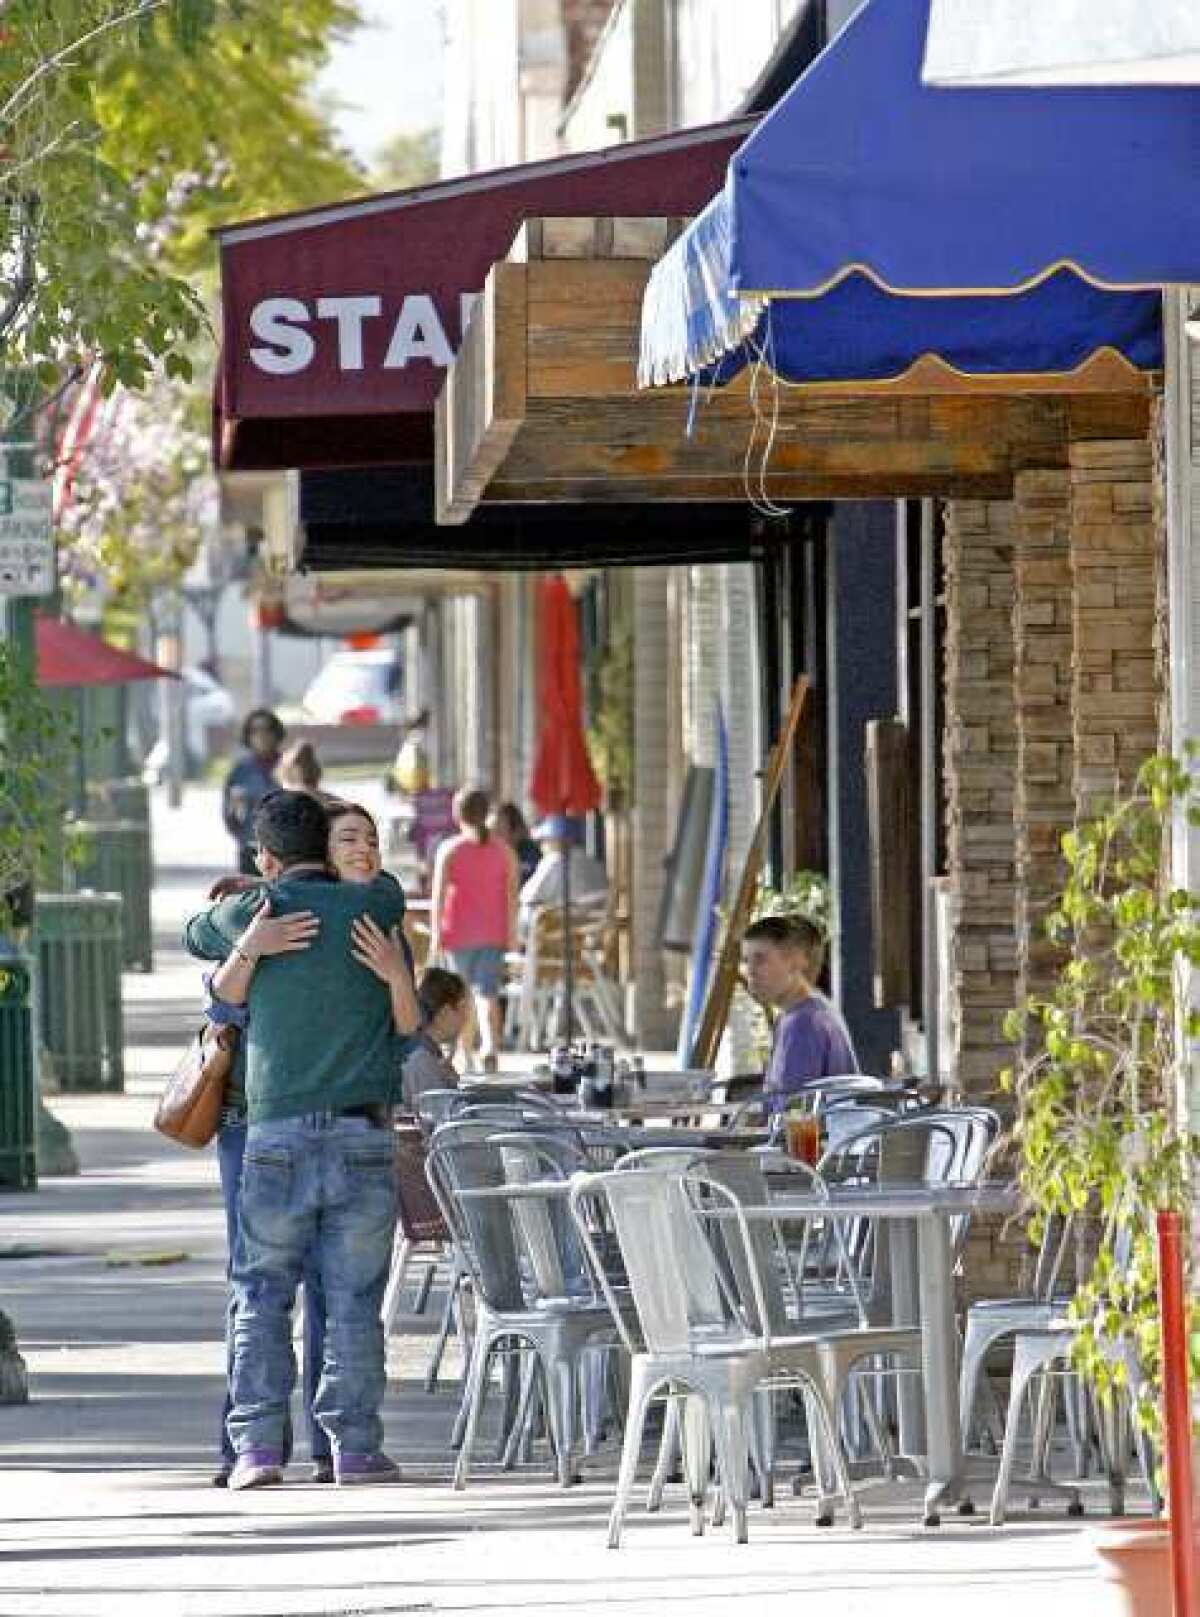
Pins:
x,y
1177,1414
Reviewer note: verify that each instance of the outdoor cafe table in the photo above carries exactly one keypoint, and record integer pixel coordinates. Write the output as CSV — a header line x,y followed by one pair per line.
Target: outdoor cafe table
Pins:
x,y
930,1209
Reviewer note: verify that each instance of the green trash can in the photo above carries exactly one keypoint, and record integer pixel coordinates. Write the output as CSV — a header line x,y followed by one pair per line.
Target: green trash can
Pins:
x,y
119,800
80,1015
114,857
18,1092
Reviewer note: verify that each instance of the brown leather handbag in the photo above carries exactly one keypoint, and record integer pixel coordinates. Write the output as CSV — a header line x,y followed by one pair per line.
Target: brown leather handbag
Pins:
x,y
189,1111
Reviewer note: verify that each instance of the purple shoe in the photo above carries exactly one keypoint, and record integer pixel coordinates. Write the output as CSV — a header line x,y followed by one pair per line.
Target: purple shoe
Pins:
x,y
360,1470
257,1468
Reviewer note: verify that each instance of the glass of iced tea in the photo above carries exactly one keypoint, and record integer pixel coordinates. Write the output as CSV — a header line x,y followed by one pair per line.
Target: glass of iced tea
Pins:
x,y
802,1138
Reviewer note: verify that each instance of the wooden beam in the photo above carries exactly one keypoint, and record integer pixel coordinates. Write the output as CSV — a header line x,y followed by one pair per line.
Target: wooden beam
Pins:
x,y
482,406
541,405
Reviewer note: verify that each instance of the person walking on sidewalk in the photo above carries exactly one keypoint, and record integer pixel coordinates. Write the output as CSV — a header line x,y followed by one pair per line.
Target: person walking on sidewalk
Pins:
x,y
251,778
318,1175
473,912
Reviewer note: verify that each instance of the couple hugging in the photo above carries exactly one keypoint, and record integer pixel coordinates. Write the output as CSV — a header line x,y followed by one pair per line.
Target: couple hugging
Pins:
x,y
314,966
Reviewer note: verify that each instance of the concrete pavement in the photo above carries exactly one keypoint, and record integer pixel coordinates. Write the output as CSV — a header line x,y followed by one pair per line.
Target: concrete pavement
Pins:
x,y
115,1282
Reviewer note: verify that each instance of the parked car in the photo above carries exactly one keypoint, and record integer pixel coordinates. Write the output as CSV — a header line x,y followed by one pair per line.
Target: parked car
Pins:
x,y
358,687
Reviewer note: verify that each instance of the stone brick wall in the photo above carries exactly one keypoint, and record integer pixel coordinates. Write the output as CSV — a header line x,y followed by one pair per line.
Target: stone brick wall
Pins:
x,y
981,765
1044,796
1114,573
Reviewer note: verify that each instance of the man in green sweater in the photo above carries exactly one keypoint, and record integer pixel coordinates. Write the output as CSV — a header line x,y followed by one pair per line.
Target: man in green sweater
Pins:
x,y
322,1069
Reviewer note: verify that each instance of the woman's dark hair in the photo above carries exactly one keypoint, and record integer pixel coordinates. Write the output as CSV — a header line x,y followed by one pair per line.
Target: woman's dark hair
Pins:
x,y
471,806
301,761
438,989
512,823
340,809
262,716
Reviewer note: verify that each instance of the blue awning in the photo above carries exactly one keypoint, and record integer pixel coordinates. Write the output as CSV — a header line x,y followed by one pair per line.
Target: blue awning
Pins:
x,y
1006,231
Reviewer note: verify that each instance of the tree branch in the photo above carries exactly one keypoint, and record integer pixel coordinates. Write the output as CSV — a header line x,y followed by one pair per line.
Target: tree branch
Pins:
x,y
61,58
26,278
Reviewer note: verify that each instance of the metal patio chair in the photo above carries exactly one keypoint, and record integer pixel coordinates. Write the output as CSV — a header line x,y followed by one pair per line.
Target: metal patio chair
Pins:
x,y
529,1286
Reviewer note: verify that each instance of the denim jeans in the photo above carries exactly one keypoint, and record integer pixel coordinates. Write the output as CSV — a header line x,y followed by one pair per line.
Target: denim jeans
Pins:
x,y
231,1148
323,1188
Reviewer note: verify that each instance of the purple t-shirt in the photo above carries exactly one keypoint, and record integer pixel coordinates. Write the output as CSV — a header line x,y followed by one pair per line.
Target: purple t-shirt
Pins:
x,y
810,1042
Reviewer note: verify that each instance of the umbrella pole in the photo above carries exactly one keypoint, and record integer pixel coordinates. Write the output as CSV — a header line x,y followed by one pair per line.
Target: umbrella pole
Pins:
x,y
566,1016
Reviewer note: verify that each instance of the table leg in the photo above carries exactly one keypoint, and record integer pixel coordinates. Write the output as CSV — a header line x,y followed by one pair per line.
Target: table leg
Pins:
x,y
939,1363
906,1310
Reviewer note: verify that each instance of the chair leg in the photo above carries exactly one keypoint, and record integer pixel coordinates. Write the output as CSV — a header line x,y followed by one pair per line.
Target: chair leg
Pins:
x,y
974,1353
1028,1360
668,1454
593,1387
401,1257
426,1286
696,1441
450,1317
823,1435
762,1444
520,1426
562,1395
730,1429
511,1384
640,1390
1045,1402
472,1404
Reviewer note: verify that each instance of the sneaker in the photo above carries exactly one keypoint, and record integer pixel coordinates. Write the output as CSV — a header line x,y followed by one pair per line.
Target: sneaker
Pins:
x,y
359,1470
322,1471
256,1468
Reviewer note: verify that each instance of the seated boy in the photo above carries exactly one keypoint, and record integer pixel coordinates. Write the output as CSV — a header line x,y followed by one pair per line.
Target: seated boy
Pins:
x,y
782,957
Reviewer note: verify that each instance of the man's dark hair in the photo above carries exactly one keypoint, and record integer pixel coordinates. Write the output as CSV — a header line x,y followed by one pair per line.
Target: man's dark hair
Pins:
x,y
787,932
294,827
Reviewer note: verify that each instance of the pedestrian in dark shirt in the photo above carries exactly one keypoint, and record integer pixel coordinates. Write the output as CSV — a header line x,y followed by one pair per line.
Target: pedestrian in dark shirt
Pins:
x,y
251,778
782,957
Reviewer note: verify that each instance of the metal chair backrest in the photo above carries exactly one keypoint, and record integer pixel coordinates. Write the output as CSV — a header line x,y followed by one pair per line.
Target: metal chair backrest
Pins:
x,y
750,1250
462,1158
545,1234
437,1106
674,1281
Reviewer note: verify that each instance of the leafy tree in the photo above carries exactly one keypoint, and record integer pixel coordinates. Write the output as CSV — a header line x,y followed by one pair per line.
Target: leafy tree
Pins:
x,y
126,126
407,159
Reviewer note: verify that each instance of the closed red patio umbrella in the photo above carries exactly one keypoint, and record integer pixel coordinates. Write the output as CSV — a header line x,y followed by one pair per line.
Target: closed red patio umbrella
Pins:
x,y
563,781
68,656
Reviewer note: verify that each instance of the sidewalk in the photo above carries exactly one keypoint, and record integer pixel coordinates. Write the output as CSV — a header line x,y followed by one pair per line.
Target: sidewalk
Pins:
x,y
116,1285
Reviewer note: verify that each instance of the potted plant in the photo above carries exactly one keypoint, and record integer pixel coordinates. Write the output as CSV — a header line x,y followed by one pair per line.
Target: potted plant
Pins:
x,y
1101,1123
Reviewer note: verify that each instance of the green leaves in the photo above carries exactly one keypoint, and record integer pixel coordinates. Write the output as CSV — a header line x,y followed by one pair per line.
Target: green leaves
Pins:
x,y
129,128
1111,1047
35,741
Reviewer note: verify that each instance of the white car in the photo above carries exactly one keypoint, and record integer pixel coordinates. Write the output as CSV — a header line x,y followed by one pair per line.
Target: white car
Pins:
x,y
358,687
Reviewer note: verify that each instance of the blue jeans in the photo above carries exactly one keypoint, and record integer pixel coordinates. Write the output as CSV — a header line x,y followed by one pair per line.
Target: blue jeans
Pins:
x,y
231,1148
319,1188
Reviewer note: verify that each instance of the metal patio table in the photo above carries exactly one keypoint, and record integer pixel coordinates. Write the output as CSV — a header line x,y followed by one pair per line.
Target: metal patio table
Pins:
x,y
930,1210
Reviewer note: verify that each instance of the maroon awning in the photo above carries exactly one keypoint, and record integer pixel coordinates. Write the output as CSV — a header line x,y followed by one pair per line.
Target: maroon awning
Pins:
x,y
68,656
338,323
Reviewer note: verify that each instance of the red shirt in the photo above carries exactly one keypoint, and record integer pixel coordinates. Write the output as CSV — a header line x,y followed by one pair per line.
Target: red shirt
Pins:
x,y
475,887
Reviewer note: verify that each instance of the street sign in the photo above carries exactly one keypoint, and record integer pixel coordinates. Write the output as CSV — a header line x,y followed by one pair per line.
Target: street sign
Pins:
x,y
26,541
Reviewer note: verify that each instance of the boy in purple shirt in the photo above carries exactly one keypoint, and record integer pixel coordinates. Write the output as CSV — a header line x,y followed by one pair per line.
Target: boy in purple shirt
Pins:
x,y
781,959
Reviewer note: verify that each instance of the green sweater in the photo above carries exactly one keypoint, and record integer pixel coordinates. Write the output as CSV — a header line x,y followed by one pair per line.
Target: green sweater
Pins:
x,y
321,1035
